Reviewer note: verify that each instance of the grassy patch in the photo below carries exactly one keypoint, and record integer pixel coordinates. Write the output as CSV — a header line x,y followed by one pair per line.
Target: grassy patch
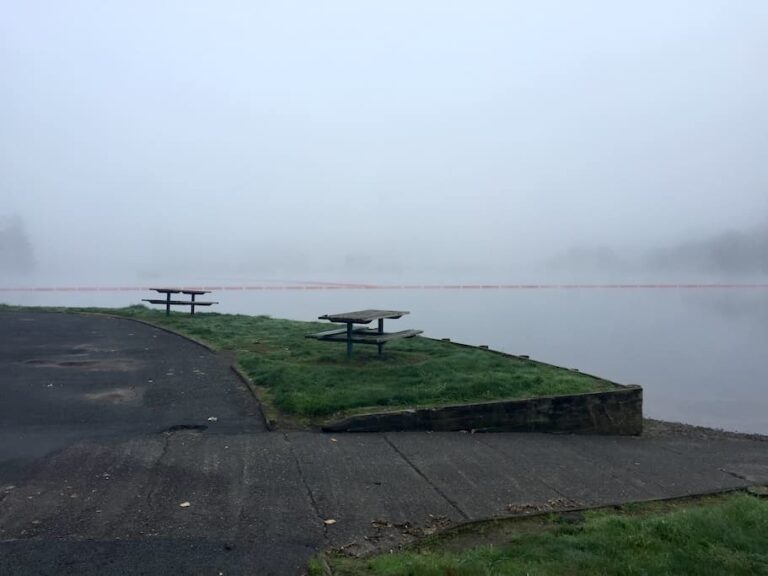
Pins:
x,y
314,380
713,536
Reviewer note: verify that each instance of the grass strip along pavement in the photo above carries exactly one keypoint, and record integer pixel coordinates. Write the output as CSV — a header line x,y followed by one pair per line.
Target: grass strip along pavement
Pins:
x,y
311,381
709,536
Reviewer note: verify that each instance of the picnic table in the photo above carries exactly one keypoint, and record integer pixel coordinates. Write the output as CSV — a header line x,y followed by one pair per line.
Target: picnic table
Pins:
x,y
168,302
363,335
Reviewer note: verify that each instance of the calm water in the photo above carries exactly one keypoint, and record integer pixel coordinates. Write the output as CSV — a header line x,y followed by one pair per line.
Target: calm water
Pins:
x,y
701,355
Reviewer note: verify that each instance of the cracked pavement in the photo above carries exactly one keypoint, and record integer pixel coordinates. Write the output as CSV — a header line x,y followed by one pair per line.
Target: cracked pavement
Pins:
x,y
105,432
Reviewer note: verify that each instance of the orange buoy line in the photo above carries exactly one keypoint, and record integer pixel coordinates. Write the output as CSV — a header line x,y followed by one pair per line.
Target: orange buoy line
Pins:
x,y
348,286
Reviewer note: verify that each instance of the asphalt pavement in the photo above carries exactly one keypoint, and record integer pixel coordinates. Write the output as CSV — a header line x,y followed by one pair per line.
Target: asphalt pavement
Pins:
x,y
125,449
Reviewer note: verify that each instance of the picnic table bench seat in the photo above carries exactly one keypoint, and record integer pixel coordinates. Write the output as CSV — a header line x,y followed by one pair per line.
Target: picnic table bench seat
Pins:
x,y
326,334
362,334
177,302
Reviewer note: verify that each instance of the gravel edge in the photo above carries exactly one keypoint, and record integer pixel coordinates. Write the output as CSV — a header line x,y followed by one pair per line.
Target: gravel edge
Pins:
x,y
663,429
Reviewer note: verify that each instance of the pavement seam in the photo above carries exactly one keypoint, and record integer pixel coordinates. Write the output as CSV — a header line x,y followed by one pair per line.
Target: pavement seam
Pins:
x,y
434,486
544,482
736,475
608,464
244,485
723,470
153,490
310,494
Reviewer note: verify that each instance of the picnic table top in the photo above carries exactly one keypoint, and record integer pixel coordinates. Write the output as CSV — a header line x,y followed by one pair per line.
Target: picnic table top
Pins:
x,y
179,291
363,316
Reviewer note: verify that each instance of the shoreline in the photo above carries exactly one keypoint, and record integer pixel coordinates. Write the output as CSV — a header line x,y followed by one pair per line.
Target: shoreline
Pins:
x,y
665,429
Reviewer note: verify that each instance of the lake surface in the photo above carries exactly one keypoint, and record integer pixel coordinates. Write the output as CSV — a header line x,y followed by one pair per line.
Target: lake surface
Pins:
x,y
701,355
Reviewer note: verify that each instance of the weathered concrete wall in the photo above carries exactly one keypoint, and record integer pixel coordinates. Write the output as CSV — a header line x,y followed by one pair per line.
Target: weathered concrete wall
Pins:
x,y
618,411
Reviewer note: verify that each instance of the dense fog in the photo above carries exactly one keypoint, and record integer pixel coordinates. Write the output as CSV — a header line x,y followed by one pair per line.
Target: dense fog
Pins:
x,y
453,140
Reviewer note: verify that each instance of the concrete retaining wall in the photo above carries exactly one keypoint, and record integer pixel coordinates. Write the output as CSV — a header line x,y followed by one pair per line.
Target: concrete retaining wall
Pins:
x,y
618,411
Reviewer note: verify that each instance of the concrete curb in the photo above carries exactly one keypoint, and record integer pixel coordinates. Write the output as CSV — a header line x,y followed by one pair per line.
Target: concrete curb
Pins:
x,y
153,325
616,412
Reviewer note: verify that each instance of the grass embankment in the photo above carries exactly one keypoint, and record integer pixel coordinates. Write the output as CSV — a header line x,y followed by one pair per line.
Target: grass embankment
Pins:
x,y
312,380
714,536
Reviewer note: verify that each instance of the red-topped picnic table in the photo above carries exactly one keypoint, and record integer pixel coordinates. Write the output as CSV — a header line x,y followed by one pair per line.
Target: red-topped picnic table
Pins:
x,y
168,302
363,335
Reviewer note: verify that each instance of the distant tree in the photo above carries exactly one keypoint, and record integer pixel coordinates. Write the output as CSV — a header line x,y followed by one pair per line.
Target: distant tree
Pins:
x,y
16,255
734,252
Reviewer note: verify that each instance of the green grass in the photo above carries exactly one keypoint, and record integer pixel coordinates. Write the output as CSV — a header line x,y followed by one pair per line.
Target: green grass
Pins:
x,y
313,380
720,536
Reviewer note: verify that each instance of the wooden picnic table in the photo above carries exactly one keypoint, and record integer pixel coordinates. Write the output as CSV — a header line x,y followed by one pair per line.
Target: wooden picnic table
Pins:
x,y
362,335
168,302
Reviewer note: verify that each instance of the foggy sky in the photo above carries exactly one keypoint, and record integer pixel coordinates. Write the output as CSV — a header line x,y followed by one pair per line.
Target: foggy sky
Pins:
x,y
376,137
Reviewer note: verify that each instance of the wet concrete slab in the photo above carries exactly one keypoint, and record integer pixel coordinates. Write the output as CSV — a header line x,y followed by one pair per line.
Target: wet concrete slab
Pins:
x,y
360,481
238,496
742,458
648,465
476,478
560,465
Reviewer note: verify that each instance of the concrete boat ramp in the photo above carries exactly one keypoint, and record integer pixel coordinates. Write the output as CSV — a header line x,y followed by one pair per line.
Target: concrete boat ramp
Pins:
x,y
128,450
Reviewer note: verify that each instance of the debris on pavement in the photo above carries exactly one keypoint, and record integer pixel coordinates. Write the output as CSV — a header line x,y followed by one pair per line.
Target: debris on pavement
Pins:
x,y
535,508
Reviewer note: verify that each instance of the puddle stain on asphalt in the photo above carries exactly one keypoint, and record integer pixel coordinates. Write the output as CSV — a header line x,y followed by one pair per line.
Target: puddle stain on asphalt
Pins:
x,y
91,365
116,396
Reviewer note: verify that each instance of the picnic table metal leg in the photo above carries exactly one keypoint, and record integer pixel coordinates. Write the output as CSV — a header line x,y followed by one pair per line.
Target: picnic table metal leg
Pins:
x,y
349,339
168,304
192,307
380,345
